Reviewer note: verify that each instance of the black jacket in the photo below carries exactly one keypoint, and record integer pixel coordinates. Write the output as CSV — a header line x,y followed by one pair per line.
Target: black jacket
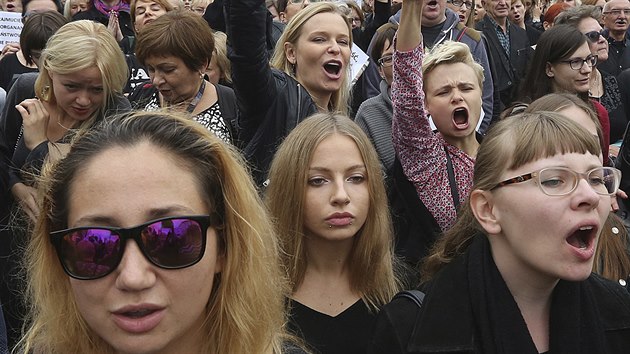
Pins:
x,y
507,70
270,103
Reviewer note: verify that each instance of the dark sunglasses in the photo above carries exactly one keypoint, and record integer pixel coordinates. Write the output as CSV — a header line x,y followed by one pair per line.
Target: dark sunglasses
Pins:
x,y
593,36
170,243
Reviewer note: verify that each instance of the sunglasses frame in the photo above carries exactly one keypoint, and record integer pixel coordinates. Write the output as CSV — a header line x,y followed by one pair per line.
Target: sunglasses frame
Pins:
x,y
599,34
134,233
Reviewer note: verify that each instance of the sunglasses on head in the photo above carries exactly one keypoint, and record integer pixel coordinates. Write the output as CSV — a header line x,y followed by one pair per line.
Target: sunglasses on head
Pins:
x,y
593,36
92,252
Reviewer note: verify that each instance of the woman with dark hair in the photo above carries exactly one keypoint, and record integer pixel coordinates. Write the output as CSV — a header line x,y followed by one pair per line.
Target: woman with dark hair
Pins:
x,y
563,62
35,33
604,87
177,63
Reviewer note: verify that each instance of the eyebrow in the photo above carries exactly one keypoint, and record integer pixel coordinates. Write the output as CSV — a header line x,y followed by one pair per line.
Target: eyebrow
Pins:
x,y
152,214
325,169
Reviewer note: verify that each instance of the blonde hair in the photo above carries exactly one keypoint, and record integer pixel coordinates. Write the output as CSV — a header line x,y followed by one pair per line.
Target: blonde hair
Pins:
x,y
220,54
510,144
451,52
77,46
245,311
371,259
291,34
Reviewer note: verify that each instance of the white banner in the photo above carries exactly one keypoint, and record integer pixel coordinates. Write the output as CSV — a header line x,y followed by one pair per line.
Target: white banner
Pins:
x,y
10,27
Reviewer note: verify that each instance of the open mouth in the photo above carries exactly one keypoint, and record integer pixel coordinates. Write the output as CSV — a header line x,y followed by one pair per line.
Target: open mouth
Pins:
x,y
138,314
462,18
333,68
582,237
621,22
460,118
432,3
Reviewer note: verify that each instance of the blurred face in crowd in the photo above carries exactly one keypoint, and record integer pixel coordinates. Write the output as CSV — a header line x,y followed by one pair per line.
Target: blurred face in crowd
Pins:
x,y
462,8
385,63
433,12
616,16
293,7
175,81
497,9
517,13
11,5
596,41
480,11
147,11
78,6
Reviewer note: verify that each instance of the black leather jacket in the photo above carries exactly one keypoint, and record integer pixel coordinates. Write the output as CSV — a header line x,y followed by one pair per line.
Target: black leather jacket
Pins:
x,y
270,102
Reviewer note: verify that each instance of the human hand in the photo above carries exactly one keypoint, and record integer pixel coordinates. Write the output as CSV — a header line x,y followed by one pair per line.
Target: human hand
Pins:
x,y
34,120
26,197
114,26
10,48
614,205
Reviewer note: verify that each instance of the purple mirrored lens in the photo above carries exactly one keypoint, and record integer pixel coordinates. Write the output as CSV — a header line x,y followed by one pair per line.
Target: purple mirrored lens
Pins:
x,y
90,253
173,243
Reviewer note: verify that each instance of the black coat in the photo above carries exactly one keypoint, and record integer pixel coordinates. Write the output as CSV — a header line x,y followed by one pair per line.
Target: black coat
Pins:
x,y
507,71
124,20
270,103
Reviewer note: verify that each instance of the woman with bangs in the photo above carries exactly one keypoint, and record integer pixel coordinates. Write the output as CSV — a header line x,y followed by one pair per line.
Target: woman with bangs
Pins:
x,y
514,274
308,73
82,73
336,235
173,258
612,258
177,64
433,171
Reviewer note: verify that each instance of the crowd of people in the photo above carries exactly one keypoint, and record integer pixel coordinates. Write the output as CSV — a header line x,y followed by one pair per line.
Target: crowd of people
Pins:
x,y
217,176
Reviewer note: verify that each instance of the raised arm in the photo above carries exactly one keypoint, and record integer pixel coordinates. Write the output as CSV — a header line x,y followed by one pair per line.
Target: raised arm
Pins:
x,y
251,74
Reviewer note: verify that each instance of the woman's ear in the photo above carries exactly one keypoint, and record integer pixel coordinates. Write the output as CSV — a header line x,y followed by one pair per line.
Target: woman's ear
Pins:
x,y
482,206
289,52
549,70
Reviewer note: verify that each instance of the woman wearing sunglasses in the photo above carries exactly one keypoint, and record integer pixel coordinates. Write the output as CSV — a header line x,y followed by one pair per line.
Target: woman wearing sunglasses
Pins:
x,y
563,62
336,232
513,275
604,87
176,257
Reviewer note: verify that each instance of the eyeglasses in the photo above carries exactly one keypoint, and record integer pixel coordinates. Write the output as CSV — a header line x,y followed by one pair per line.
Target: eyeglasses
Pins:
x,y
175,242
558,181
578,63
355,20
593,36
459,3
617,12
386,61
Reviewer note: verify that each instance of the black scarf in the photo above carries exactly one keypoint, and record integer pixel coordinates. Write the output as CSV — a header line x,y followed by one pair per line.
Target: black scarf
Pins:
x,y
575,325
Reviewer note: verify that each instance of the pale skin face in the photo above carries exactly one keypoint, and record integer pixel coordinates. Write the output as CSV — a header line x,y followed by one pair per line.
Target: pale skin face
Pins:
x,y
538,237
140,308
80,94
147,12
565,79
517,13
337,198
599,47
321,55
386,69
78,6
292,9
453,98
498,9
433,12
617,24
175,81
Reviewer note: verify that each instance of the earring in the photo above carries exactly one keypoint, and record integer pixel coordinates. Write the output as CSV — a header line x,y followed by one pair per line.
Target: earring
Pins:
x,y
45,95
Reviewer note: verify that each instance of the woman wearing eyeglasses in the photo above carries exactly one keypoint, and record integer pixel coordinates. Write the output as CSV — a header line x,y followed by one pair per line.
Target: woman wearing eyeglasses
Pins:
x,y
463,8
604,87
563,62
176,257
514,273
